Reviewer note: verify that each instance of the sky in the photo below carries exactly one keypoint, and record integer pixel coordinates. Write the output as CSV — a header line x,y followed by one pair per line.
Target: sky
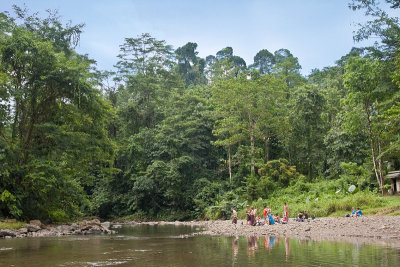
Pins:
x,y
317,32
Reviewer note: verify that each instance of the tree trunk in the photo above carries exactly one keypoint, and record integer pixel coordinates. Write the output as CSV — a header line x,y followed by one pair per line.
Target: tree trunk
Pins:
x,y
252,148
371,141
267,139
15,123
380,163
229,164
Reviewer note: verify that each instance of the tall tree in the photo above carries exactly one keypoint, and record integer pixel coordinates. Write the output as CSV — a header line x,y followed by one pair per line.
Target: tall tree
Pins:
x,y
146,67
308,129
225,65
287,66
263,62
190,67
381,25
57,142
144,55
367,81
249,102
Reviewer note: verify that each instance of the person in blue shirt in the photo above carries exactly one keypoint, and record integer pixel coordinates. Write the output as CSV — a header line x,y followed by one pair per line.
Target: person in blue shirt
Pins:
x,y
353,212
271,219
359,212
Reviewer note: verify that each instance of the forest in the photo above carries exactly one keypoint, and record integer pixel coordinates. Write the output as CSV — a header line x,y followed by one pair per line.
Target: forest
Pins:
x,y
169,135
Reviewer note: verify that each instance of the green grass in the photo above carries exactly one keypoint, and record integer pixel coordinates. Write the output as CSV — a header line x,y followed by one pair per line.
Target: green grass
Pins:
x,y
12,225
332,205
390,207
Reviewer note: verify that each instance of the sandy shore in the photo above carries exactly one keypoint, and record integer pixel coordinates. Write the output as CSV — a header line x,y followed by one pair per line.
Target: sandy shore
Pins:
x,y
373,227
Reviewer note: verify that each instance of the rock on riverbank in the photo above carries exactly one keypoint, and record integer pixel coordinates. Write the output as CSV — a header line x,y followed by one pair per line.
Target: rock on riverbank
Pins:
x,y
35,229
377,227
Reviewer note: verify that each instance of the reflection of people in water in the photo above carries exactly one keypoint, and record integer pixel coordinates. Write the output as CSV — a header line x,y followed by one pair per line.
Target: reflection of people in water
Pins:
x,y
235,248
269,242
287,248
266,243
252,246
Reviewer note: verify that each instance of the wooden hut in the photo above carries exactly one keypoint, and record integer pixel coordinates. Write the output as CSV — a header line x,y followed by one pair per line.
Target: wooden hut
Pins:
x,y
394,177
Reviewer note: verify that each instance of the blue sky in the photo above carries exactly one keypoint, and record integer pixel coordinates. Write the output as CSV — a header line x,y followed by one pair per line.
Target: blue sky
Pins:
x,y
317,32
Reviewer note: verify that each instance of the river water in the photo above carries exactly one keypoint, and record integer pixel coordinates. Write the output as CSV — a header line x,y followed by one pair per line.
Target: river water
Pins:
x,y
169,245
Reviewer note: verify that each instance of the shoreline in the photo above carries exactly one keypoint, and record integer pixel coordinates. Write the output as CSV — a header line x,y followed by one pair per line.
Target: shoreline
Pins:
x,y
370,227
36,229
366,227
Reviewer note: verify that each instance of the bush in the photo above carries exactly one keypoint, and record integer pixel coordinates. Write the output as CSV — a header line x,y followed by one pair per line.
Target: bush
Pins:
x,y
58,216
216,212
8,204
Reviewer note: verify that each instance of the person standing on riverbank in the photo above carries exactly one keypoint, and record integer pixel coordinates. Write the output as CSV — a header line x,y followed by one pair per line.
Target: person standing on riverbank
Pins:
x,y
265,213
252,216
248,211
286,212
234,217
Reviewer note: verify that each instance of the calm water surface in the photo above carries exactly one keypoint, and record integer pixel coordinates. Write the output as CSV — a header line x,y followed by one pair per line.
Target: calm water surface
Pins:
x,y
169,245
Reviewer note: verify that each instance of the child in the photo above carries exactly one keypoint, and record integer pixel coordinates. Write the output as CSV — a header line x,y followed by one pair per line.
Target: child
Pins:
x,y
234,216
248,211
300,217
359,212
277,218
353,212
305,214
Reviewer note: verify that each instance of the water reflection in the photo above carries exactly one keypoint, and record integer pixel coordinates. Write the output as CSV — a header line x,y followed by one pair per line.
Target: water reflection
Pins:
x,y
307,252
287,248
175,246
252,246
254,242
235,247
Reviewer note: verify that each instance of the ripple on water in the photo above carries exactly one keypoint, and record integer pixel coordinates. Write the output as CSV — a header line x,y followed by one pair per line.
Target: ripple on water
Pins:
x,y
4,249
77,239
142,250
124,237
106,263
109,262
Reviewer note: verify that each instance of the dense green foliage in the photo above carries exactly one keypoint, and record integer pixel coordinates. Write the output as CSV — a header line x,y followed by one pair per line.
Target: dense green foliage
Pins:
x,y
170,135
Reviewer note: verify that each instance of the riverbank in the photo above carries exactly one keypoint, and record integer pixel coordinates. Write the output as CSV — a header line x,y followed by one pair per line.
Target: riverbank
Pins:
x,y
376,227
36,229
371,227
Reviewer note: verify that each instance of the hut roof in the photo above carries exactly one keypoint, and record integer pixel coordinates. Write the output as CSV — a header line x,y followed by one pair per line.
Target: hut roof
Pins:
x,y
393,175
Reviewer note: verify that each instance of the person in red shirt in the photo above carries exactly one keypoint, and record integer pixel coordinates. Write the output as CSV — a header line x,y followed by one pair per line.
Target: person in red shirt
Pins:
x,y
265,213
286,212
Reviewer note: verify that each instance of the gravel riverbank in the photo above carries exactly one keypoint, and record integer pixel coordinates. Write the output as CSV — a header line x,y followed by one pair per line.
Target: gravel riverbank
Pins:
x,y
371,227
376,227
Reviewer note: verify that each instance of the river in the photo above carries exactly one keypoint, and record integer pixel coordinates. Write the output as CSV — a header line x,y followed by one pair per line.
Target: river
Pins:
x,y
169,245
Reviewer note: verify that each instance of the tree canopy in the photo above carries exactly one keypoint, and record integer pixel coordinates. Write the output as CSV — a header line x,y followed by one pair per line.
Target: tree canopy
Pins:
x,y
171,135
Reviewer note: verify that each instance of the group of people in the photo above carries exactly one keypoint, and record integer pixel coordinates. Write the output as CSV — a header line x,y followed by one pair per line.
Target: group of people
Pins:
x,y
268,218
355,213
302,216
